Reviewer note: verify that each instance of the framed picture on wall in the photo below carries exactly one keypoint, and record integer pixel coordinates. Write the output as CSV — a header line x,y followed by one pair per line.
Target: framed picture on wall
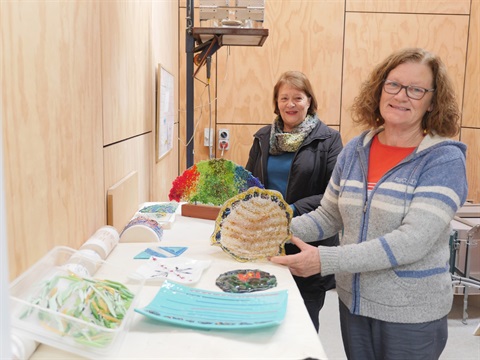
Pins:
x,y
165,112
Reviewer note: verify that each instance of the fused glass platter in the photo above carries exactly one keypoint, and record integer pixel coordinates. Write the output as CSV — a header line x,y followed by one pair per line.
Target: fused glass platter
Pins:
x,y
179,269
162,212
198,308
246,280
212,182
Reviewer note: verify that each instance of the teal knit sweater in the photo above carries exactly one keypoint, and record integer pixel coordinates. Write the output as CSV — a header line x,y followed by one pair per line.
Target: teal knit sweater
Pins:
x,y
393,262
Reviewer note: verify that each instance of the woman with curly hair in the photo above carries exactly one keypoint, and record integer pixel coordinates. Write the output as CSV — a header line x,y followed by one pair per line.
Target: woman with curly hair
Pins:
x,y
393,192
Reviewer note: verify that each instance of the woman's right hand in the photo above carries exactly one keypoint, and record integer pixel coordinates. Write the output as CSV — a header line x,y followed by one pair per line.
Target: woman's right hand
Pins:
x,y
305,263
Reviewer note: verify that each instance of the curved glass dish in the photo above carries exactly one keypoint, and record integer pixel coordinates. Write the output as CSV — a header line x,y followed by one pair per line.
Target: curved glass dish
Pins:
x,y
197,308
212,182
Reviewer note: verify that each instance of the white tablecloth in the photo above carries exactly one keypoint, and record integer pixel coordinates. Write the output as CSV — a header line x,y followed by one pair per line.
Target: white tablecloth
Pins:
x,y
295,338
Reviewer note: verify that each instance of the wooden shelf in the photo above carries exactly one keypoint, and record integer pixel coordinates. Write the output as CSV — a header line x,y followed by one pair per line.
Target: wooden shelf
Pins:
x,y
228,36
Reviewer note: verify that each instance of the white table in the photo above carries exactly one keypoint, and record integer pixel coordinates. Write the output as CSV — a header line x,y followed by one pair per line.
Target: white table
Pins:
x,y
295,338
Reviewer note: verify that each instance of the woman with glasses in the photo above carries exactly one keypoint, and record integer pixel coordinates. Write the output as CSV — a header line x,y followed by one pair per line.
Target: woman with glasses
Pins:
x,y
295,156
393,192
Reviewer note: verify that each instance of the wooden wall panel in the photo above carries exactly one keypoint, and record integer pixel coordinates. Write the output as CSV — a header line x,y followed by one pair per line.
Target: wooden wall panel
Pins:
x,y
471,137
141,70
122,201
411,6
52,126
165,43
471,103
114,67
127,77
128,156
370,37
306,36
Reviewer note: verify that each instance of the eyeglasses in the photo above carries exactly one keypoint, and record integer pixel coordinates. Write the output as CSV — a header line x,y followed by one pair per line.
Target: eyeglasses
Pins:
x,y
413,92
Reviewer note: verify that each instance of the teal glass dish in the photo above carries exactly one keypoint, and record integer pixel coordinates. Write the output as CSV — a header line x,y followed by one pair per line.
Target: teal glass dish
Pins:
x,y
197,308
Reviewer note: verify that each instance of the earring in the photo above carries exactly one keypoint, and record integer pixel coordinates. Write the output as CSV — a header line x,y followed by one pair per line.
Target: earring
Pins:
x,y
425,132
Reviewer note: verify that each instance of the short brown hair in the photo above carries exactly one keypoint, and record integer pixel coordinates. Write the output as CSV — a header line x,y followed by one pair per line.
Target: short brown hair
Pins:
x,y
442,120
299,81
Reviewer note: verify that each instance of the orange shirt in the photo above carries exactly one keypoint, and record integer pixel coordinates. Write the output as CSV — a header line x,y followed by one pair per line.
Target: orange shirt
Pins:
x,y
383,158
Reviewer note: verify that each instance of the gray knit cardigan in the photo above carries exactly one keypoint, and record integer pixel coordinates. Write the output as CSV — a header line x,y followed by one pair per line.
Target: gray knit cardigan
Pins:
x,y
393,260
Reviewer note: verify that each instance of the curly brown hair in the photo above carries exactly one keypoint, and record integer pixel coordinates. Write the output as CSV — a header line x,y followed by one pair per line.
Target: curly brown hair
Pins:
x,y
442,120
300,81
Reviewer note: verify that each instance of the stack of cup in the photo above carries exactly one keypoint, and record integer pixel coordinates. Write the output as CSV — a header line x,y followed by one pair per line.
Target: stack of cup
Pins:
x,y
96,249
22,347
102,242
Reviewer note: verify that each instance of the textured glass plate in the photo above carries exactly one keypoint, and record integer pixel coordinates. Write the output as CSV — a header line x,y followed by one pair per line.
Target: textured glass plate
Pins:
x,y
197,308
253,225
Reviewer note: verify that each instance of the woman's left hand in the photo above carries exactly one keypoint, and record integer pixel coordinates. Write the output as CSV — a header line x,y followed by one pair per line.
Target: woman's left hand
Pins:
x,y
305,263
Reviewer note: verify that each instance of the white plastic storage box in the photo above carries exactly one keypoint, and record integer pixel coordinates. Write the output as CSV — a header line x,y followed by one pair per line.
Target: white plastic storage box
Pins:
x,y
75,302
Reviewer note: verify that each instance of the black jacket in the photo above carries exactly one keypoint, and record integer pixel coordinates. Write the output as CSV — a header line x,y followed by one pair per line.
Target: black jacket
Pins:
x,y
310,173
311,168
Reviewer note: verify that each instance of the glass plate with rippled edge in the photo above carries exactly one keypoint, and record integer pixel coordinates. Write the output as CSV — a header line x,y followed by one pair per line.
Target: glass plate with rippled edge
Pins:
x,y
198,308
245,199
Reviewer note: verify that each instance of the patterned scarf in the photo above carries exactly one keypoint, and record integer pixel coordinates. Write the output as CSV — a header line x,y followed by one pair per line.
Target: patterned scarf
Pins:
x,y
281,142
